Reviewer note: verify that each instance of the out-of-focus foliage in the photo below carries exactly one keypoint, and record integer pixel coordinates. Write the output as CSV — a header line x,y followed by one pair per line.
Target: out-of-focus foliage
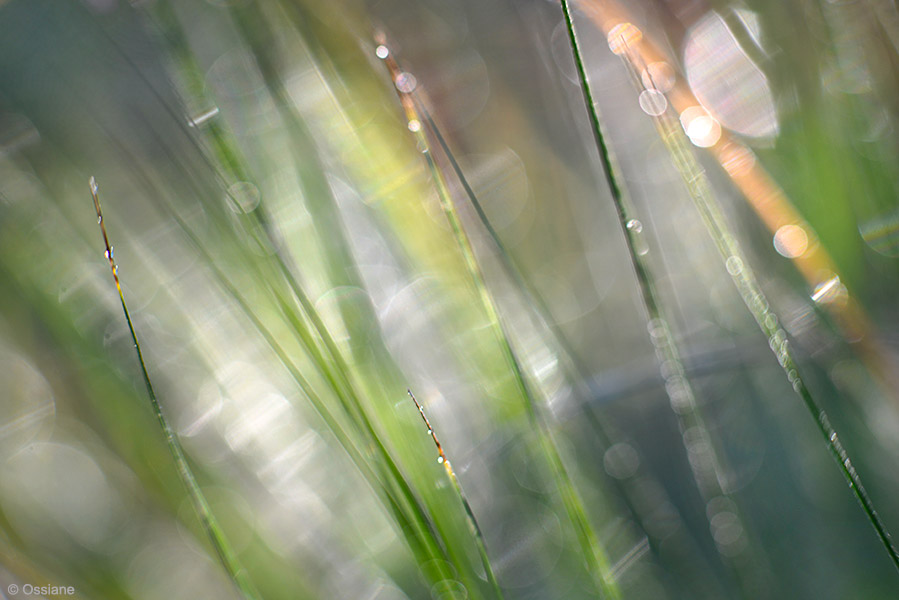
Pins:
x,y
291,273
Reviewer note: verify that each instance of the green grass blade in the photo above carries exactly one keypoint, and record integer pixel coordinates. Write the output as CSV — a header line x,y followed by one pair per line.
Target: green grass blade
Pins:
x,y
217,537
400,499
391,487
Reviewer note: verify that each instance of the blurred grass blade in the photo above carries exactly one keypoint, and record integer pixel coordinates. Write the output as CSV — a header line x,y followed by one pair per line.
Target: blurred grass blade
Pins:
x,y
593,551
387,479
210,524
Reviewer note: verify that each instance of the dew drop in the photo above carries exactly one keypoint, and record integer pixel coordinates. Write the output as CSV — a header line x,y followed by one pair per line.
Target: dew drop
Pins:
x,y
791,241
245,197
382,52
406,82
734,265
635,226
653,102
203,117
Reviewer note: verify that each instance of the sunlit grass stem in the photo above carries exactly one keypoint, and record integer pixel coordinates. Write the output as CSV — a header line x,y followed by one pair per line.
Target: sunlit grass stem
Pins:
x,y
217,537
394,492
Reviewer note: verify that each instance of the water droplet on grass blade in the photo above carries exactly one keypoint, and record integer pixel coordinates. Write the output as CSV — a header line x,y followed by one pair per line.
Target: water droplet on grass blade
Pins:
x,y
791,241
653,102
244,197
406,82
449,589
734,265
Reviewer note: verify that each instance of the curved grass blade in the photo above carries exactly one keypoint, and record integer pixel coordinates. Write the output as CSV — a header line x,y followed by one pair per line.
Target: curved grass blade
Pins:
x,y
469,513
228,558
593,551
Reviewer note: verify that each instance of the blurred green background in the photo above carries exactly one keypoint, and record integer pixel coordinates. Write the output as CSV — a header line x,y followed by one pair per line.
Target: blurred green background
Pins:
x,y
290,273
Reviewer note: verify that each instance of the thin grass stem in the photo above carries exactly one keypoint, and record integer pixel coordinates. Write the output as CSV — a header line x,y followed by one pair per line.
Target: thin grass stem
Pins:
x,y
593,551
706,461
574,369
403,501
226,554
755,300
341,267
753,297
397,496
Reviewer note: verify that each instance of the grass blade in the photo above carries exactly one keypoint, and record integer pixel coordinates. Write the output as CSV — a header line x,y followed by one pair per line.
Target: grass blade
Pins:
x,y
386,478
752,295
469,513
556,341
707,466
754,298
220,543
593,551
